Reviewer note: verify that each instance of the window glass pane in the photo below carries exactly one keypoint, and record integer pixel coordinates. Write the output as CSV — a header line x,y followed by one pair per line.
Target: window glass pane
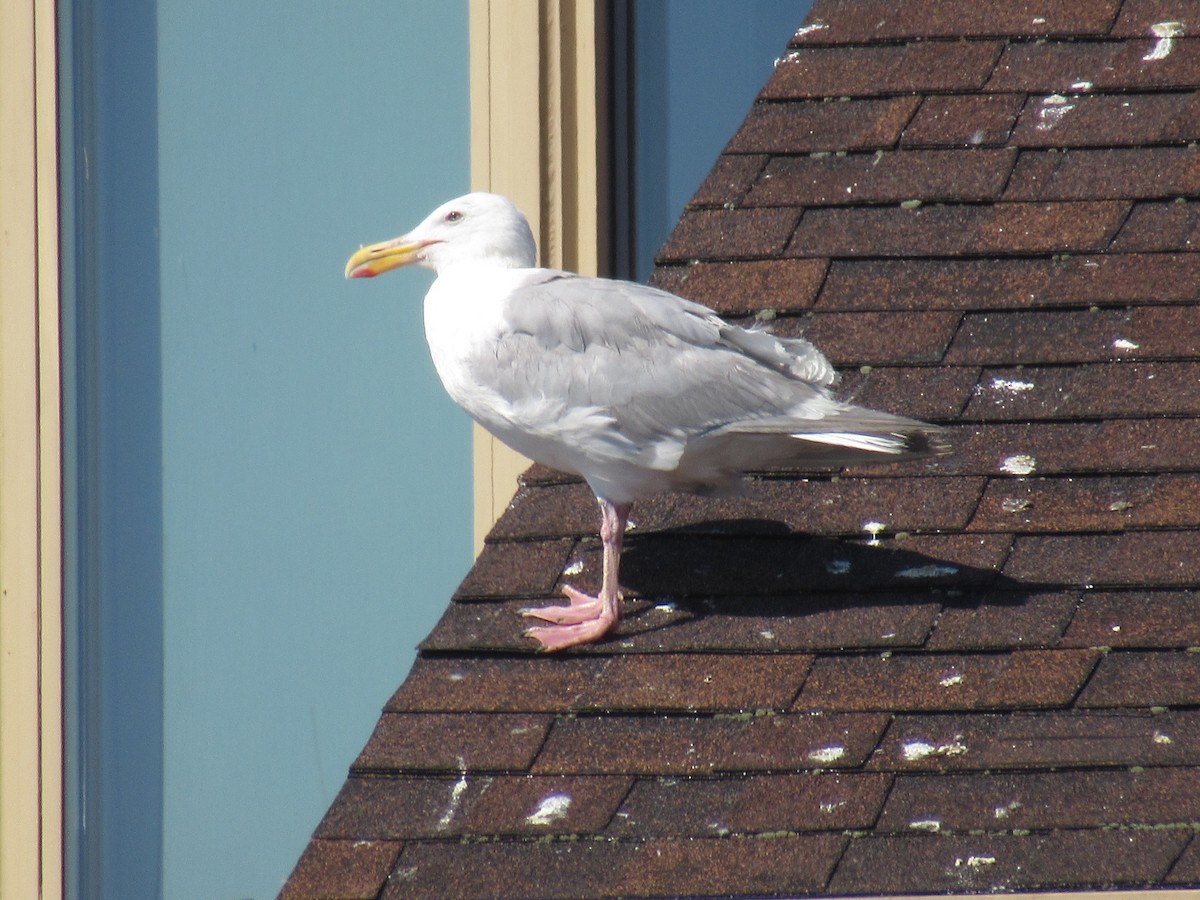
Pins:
x,y
272,495
694,68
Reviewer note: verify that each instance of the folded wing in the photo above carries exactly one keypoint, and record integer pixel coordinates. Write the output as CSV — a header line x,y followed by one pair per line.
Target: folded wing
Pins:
x,y
631,374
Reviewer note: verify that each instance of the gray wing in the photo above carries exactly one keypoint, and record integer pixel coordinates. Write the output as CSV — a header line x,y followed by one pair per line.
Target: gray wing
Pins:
x,y
658,367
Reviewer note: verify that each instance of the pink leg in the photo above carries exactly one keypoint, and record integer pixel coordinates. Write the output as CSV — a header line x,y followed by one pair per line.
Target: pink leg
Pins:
x,y
587,618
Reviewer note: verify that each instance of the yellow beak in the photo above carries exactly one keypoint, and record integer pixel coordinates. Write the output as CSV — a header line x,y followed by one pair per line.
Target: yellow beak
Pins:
x,y
378,258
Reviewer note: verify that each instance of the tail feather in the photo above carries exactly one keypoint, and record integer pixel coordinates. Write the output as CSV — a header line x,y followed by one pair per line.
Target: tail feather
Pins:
x,y
871,443
915,441
851,437
859,431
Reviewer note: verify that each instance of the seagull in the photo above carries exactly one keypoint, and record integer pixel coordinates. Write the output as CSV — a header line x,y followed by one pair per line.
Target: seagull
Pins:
x,y
632,388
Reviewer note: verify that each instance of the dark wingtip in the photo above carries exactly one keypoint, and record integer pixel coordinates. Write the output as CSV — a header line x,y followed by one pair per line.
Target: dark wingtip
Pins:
x,y
927,442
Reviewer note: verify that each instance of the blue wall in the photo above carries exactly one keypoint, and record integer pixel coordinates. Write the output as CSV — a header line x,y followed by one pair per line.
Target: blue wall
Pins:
x,y
316,494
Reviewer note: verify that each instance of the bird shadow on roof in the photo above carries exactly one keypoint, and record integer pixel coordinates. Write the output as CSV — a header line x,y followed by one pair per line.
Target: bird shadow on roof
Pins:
x,y
745,584
757,584
763,557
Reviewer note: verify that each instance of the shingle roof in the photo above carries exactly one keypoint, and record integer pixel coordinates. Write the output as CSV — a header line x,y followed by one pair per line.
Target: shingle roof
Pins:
x,y
976,673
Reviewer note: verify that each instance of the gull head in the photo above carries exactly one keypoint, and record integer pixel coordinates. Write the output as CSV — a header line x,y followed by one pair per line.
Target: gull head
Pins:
x,y
479,228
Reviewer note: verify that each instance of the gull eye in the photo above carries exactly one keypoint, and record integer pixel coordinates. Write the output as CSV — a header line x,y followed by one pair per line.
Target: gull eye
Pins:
x,y
454,216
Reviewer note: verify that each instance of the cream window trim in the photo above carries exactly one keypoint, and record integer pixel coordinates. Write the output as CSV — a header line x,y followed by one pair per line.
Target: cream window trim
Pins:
x,y
31,760
537,84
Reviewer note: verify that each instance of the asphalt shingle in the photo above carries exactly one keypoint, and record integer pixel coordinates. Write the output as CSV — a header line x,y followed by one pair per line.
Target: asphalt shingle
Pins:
x,y
972,673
